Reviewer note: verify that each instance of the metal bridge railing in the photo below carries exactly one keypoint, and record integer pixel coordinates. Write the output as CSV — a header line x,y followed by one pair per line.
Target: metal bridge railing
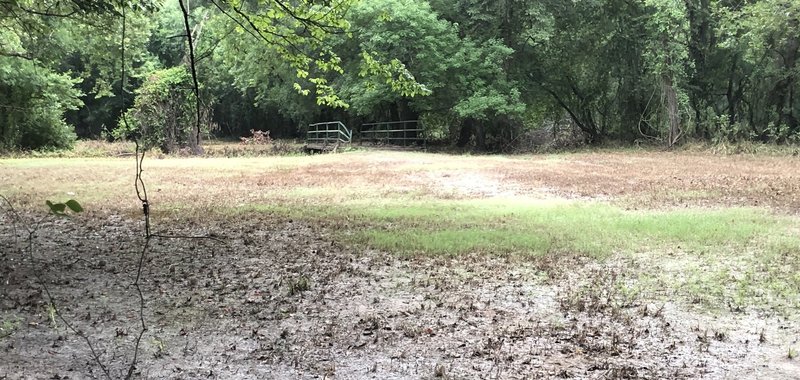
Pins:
x,y
393,132
328,133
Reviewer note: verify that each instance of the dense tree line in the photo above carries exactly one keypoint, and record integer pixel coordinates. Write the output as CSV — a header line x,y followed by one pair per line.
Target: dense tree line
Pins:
x,y
475,71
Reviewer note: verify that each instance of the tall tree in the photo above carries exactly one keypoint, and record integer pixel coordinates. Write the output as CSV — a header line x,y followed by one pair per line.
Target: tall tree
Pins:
x,y
57,39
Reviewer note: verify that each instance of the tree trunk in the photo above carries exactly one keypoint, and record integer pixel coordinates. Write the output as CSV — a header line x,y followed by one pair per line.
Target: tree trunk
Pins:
x,y
585,123
472,127
191,38
194,144
731,94
480,135
673,114
464,133
700,44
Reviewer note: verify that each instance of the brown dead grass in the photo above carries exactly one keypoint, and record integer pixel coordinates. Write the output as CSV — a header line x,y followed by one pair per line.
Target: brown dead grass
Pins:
x,y
657,180
632,179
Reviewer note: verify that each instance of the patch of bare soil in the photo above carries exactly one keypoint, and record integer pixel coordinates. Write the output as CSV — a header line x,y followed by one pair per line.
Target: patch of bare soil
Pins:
x,y
464,184
282,300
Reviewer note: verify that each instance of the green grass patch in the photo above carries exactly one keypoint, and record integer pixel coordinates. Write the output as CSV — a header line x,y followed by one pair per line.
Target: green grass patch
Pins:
x,y
455,227
729,259
731,278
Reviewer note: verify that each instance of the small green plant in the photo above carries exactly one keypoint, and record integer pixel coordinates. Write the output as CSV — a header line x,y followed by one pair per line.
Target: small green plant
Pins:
x,y
792,353
8,327
160,348
60,209
627,295
163,113
51,315
439,370
299,285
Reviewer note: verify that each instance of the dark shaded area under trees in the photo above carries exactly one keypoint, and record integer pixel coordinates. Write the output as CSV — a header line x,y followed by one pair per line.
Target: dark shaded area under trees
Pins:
x,y
476,72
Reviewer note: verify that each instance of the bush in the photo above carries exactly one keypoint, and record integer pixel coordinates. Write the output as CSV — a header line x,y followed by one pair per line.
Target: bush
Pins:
x,y
163,114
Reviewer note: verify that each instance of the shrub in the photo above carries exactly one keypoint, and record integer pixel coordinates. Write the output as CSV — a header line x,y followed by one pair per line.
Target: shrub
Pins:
x,y
32,109
163,114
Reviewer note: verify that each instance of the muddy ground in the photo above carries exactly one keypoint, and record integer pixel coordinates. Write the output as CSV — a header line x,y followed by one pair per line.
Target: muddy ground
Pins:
x,y
281,299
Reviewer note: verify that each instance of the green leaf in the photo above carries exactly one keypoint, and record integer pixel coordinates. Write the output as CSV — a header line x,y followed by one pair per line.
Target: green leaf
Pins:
x,y
74,205
57,208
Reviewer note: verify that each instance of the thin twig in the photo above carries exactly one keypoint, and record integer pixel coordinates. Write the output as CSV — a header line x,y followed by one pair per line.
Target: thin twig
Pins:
x,y
143,328
190,40
189,237
141,193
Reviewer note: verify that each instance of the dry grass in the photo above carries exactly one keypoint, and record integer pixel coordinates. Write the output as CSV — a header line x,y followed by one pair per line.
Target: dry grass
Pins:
x,y
663,179
635,180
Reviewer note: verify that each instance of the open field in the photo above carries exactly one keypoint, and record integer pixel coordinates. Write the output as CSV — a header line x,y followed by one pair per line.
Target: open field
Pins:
x,y
374,264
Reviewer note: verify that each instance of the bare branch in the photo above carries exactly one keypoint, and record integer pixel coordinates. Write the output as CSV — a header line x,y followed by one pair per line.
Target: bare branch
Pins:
x,y
332,29
16,55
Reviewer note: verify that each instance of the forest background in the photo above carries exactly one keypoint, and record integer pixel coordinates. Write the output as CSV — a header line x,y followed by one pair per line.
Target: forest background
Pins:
x,y
477,73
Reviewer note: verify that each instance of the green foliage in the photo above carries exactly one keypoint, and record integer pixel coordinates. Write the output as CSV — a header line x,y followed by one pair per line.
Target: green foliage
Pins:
x,y
33,105
397,76
163,114
666,57
461,77
668,29
490,92
763,38
614,68
60,209
382,66
74,205
297,35
64,40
